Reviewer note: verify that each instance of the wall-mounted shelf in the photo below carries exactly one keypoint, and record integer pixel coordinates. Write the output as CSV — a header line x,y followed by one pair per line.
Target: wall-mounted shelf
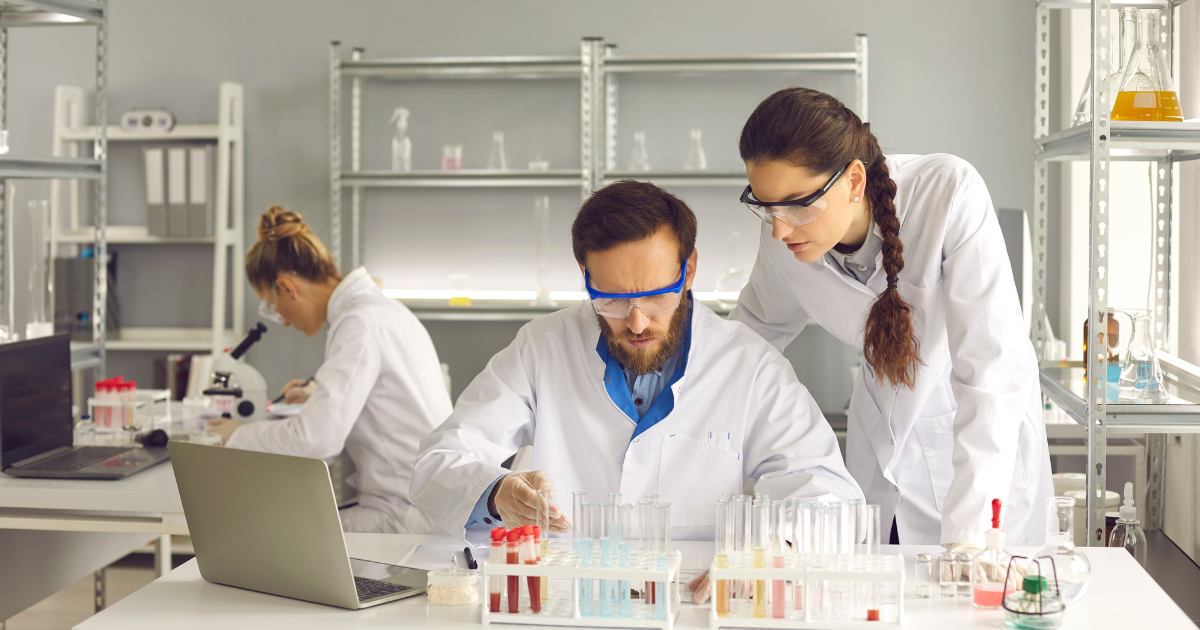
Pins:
x,y
1065,386
463,68
49,168
167,339
513,306
52,12
130,235
462,179
789,62
85,355
118,134
680,178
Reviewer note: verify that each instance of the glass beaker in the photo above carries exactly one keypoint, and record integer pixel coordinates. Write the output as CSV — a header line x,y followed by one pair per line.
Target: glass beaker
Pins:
x,y
496,161
452,157
696,160
1072,570
731,281
1141,375
640,160
1146,91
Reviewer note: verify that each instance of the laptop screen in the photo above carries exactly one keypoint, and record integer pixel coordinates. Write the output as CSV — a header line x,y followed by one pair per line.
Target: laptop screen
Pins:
x,y
35,397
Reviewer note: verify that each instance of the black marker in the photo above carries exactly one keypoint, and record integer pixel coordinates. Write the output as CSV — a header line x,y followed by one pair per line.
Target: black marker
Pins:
x,y
471,564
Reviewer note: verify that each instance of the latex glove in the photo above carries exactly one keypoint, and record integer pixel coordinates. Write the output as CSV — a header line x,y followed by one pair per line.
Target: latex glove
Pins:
x,y
515,500
297,391
701,588
224,427
962,547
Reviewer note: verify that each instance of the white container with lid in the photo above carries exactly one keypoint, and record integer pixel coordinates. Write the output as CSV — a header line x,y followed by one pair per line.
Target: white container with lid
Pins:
x,y
1111,501
452,586
1064,482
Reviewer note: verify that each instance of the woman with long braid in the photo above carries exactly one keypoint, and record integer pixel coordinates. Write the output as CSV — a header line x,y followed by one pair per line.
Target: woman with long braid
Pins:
x,y
901,256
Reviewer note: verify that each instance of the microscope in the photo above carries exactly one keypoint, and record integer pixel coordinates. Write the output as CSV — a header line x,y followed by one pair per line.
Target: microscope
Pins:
x,y
237,388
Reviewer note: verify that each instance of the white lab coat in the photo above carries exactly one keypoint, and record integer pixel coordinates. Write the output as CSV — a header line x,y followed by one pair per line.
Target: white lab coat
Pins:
x,y
972,430
379,391
740,413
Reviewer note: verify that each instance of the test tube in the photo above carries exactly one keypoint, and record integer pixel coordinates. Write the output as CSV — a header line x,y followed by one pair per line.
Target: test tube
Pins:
x,y
871,549
577,501
496,556
838,543
613,529
607,516
818,590
588,526
662,521
855,525
543,523
759,524
513,555
747,586
778,524
624,599
646,548
529,556
722,539
802,543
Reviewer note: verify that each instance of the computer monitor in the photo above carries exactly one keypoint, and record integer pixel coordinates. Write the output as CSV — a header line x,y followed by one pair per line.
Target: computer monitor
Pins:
x,y
35,397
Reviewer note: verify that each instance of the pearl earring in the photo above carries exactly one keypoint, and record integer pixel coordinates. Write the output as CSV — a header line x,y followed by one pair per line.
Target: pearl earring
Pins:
x,y
856,198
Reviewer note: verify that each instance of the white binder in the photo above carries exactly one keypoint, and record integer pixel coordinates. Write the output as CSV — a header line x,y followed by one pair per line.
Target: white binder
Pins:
x,y
200,202
156,209
177,219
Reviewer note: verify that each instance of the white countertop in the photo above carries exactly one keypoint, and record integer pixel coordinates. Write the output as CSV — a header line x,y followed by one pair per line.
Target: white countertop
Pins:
x,y
1122,595
150,491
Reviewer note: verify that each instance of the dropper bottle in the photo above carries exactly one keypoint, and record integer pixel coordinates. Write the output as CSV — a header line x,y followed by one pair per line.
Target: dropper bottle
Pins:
x,y
991,567
1128,531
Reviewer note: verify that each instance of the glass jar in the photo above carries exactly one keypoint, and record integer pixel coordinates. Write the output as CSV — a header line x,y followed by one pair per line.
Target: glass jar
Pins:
x,y
948,574
1070,566
452,586
924,575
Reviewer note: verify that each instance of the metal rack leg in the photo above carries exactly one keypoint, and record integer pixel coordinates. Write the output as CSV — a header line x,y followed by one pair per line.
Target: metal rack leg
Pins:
x,y
100,595
162,556
1156,480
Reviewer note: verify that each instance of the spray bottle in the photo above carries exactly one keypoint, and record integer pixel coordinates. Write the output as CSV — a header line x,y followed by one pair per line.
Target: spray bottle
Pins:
x,y
1128,531
401,143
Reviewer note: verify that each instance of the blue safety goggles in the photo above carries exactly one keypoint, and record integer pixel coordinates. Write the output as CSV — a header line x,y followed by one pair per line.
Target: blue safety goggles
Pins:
x,y
652,303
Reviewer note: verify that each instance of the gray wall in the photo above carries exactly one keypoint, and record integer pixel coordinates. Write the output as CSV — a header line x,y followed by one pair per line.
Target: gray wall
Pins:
x,y
946,76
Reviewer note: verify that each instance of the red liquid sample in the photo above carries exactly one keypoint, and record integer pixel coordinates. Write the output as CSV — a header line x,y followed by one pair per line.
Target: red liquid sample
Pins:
x,y
535,591
872,614
653,587
495,602
989,595
514,582
777,598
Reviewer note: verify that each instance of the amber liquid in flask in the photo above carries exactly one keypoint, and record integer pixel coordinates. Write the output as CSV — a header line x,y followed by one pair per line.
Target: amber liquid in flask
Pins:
x,y
1146,92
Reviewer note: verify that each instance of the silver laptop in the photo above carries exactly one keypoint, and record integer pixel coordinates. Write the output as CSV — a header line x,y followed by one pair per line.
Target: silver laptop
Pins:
x,y
270,523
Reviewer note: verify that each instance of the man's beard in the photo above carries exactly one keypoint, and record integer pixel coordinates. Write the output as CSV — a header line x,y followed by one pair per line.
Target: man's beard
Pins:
x,y
641,361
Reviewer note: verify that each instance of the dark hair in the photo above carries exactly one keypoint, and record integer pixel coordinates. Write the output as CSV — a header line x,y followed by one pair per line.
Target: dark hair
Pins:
x,y
815,131
285,245
627,211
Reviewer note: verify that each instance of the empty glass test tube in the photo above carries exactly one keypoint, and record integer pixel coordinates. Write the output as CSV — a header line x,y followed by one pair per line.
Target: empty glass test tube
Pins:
x,y
624,598
607,520
646,547
586,552
662,521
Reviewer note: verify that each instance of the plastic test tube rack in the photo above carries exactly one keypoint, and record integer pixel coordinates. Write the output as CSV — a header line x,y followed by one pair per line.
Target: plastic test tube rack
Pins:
x,y
563,610
858,572
148,408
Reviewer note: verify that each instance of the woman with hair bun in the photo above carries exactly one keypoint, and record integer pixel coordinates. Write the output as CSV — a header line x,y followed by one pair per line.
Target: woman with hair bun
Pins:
x,y
902,257
379,391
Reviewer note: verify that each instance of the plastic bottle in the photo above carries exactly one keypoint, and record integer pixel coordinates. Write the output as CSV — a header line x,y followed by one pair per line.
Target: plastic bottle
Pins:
x,y
988,586
1128,531
497,556
401,143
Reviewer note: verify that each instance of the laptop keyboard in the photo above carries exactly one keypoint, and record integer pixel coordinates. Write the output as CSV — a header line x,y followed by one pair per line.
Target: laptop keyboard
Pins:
x,y
370,589
78,459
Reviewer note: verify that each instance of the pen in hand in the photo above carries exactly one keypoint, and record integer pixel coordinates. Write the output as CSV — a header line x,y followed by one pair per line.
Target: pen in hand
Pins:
x,y
283,395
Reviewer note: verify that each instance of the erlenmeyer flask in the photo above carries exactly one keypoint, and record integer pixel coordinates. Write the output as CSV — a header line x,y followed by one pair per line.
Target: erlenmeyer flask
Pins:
x,y
496,161
1141,374
732,280
1146,91
1115,67
640,160
696,160
541,240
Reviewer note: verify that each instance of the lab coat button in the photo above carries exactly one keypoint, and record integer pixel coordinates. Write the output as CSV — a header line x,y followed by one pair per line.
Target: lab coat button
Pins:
x,y
487,520
862,267
892,441
636,440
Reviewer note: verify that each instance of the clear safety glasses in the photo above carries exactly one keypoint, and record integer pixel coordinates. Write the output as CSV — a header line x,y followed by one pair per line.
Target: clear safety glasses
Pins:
x,y
795,211
652,303
267,311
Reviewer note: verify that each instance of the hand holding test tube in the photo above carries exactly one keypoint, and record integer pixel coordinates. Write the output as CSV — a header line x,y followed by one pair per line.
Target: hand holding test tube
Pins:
x,y
516,501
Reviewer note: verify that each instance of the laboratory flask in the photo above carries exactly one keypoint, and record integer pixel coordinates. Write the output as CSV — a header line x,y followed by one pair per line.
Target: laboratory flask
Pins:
x,y
696,160
640,160
1114,69
732,280
401,143
497,161
1146,91
1141,375
1071,568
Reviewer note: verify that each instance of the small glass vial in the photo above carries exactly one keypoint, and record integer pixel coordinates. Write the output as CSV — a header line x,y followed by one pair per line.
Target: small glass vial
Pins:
x,y
948,574
965,564
924,575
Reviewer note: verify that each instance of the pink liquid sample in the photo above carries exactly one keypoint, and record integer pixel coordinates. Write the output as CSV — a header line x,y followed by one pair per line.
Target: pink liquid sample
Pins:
x,y
988,595
777,598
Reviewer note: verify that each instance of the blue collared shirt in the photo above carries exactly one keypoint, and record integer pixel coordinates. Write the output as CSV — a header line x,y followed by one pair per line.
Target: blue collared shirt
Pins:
x,y
642,400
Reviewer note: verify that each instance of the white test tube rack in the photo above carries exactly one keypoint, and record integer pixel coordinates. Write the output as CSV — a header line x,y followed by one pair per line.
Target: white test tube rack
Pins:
x,y
561,563
143,412
806,569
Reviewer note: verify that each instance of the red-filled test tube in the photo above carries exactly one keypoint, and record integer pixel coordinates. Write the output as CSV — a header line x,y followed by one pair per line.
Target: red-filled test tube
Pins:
x,y
529,556
496,585
514,581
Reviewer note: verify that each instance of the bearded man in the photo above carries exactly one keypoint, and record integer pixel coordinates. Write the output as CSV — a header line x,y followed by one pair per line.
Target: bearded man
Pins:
x,y
639,390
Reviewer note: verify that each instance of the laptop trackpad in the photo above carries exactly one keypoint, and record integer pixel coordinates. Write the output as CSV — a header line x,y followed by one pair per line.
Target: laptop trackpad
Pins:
x,y
390,573
132,458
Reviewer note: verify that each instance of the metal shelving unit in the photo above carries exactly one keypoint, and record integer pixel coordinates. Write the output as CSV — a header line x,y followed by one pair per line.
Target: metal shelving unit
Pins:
x,y
70,137
18,13
596,68
1100,143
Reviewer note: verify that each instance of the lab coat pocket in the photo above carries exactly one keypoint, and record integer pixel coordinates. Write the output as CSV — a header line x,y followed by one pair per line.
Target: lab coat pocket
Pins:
x,y
692,476
937,441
